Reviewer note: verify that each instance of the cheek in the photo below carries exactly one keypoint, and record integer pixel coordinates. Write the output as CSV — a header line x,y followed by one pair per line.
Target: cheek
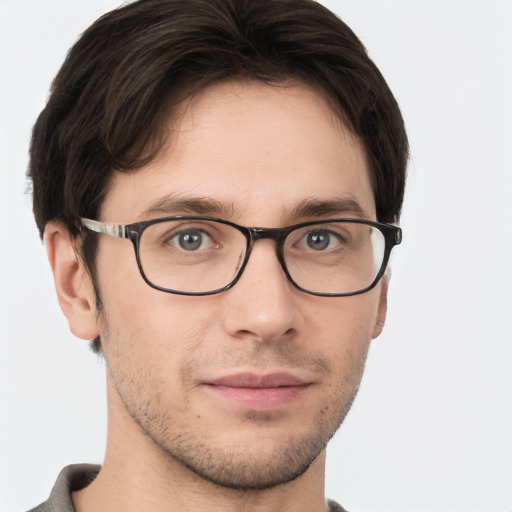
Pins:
x,y
343,329
139,312
148,332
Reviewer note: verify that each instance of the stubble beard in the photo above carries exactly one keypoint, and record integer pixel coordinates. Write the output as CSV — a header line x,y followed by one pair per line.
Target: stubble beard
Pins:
x,y
234,467
237,467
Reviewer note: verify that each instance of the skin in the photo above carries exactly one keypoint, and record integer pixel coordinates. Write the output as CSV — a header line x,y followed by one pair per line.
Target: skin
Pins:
x,y
174,444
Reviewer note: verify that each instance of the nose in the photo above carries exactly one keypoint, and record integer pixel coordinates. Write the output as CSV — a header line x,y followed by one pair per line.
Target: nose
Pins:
x,y
261,305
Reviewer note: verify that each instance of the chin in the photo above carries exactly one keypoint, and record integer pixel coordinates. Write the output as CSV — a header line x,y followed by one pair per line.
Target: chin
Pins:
x,y
253,469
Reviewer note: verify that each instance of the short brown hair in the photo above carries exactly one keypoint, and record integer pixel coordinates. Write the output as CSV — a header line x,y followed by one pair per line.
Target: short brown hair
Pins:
x,y
107,101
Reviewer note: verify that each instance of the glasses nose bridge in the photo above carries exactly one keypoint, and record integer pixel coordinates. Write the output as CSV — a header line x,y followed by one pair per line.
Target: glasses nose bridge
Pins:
x,y
276,234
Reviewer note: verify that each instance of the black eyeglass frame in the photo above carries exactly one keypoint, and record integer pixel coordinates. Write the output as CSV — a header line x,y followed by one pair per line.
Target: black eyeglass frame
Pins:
x,y
133,232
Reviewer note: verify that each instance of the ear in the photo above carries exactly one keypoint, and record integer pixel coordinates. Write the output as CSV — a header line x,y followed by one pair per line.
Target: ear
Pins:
x,y
72,282
383,305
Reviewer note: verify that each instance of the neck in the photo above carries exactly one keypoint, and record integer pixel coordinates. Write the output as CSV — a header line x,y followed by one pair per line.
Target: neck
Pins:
x,y
138,475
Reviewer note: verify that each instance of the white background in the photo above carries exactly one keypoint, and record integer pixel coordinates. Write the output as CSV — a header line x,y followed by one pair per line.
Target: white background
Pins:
x,y
431,429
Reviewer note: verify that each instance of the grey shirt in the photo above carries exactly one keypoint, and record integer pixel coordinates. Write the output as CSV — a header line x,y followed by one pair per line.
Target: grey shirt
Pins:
x,y
76,477
71,478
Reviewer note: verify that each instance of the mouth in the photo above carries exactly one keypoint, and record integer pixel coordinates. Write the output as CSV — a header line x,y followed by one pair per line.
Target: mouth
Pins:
x,y
258,392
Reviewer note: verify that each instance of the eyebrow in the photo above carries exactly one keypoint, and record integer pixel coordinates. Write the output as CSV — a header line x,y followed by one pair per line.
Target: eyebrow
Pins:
x,y
178,205
321,208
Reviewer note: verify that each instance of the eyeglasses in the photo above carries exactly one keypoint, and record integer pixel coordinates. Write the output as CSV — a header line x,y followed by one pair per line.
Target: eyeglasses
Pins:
x,y
203,255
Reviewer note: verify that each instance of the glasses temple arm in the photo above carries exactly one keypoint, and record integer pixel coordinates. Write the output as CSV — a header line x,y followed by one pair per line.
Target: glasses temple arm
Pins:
x,y
106,228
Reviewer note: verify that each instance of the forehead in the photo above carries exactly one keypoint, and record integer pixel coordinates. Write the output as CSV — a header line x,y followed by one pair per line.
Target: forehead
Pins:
x,y
256,151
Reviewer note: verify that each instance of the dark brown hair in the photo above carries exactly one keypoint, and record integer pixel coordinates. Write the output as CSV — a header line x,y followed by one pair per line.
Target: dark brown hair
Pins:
x,y
124,74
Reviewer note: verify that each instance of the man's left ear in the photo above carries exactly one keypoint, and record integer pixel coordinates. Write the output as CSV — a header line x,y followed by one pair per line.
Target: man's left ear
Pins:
x,y
383,305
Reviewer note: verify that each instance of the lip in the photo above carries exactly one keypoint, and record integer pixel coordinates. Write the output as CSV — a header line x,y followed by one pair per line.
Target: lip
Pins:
x,y
259,392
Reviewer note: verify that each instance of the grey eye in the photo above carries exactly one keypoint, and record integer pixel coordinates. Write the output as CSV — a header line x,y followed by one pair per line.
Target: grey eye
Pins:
x,y
191,240
318,240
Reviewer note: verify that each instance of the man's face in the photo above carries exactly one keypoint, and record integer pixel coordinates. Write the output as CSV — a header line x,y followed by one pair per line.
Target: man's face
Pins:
x,y
245,387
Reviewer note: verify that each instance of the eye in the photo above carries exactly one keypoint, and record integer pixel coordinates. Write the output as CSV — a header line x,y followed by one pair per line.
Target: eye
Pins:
x,y
191,240
321,239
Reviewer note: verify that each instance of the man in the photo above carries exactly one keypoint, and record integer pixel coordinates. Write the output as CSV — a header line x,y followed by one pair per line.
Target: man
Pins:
x,y
216,182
